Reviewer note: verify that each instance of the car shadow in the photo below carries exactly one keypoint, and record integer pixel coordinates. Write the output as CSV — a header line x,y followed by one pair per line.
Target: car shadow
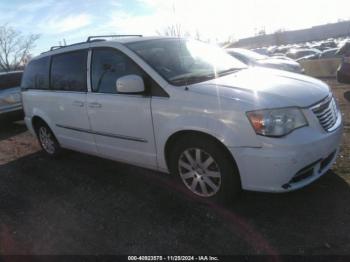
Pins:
x,y
81,204
10,129
347,96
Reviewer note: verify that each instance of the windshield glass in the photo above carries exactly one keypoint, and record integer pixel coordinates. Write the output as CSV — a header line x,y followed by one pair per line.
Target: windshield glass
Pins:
x,y
183,62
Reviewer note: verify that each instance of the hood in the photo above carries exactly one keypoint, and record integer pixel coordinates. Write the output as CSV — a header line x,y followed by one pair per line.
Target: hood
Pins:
x,y
268,88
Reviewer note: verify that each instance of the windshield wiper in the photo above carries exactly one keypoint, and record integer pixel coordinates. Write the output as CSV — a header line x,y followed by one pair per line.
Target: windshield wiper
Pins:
x,y
193,79
201,78
229,71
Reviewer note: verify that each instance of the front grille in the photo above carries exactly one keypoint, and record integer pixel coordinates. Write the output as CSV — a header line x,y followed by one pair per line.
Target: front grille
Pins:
x,y
326,113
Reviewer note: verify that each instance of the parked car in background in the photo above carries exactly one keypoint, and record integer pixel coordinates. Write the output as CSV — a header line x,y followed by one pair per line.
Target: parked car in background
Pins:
x,y
309,57
281,56
10,96
327,54
328,44
283,49
330,53
187,108
299,53
261,51
254,59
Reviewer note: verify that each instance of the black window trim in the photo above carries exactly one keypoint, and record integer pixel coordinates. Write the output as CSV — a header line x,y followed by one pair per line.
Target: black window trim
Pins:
x,y
147,93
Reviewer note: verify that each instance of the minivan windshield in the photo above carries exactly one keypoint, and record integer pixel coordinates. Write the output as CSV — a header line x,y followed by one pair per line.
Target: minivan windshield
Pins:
x,y
183,62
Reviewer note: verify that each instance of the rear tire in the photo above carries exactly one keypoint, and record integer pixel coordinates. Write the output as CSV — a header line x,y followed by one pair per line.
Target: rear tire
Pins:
x,y
47,140
205,168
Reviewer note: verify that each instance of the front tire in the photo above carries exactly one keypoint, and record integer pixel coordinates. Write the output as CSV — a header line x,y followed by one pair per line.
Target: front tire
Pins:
x,y
47,140
205,168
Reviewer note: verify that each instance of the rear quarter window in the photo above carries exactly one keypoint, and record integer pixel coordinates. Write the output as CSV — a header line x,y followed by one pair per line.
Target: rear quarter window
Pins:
x,y
36,74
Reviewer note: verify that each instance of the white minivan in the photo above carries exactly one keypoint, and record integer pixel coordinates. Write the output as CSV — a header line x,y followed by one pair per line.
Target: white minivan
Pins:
x,y
183,107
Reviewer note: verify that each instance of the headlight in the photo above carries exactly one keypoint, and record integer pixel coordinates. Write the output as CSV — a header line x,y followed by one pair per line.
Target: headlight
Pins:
x,y
276,122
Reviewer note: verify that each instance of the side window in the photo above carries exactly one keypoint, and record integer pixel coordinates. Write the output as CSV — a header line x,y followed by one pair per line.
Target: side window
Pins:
x,y
36,74
68,71
107,66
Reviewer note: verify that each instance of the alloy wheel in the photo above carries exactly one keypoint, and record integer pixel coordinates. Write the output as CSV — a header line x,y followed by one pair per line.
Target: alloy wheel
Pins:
x,y
46,140
199,172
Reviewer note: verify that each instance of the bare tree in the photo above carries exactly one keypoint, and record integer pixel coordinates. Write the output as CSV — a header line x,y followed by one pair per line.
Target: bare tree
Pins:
x,y
262,32
14,48
174,30
198,35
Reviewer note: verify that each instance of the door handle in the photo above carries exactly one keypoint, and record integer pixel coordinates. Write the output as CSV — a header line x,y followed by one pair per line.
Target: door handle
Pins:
x,y
95,105
78,103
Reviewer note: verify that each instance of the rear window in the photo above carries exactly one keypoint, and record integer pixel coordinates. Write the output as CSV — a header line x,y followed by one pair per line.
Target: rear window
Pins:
x,y
36,74
10,80
68,71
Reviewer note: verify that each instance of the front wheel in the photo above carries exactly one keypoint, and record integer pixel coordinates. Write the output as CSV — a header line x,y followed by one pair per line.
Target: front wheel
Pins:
x,y
206,169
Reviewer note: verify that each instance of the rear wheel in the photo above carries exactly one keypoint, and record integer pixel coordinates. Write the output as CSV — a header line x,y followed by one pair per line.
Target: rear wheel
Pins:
x,y
47,140
205,168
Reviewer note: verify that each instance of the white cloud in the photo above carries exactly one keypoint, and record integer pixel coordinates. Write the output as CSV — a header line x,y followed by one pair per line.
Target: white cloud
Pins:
x,y
58,25
36,5
72,22
124,23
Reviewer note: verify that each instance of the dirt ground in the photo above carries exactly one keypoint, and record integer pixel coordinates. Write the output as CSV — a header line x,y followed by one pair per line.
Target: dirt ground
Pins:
x,y
81,204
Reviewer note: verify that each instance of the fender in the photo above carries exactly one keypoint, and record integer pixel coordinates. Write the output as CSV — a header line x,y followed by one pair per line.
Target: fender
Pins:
x,y
211,126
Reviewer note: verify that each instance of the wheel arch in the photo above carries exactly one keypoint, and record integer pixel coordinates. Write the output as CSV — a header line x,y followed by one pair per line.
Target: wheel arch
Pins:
x,y
37,119
194,134
39,115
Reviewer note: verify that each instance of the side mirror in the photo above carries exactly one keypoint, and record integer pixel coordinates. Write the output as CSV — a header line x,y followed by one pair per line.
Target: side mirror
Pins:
x,y
130,84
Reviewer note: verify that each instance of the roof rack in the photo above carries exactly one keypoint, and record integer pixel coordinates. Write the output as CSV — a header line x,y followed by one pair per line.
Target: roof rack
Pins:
x,y
55,47
109,36
90,40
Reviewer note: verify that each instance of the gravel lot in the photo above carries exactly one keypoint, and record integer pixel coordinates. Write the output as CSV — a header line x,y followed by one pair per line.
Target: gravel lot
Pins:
x,y
81,204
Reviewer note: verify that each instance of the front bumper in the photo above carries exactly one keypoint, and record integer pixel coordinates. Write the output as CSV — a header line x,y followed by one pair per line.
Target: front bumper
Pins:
x,y
287,164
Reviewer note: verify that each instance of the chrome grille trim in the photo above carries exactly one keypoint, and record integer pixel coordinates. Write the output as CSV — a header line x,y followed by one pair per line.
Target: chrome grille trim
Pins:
x,y
327,113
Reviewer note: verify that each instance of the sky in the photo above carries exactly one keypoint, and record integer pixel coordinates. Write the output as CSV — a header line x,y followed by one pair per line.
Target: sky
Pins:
x,y
217,20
